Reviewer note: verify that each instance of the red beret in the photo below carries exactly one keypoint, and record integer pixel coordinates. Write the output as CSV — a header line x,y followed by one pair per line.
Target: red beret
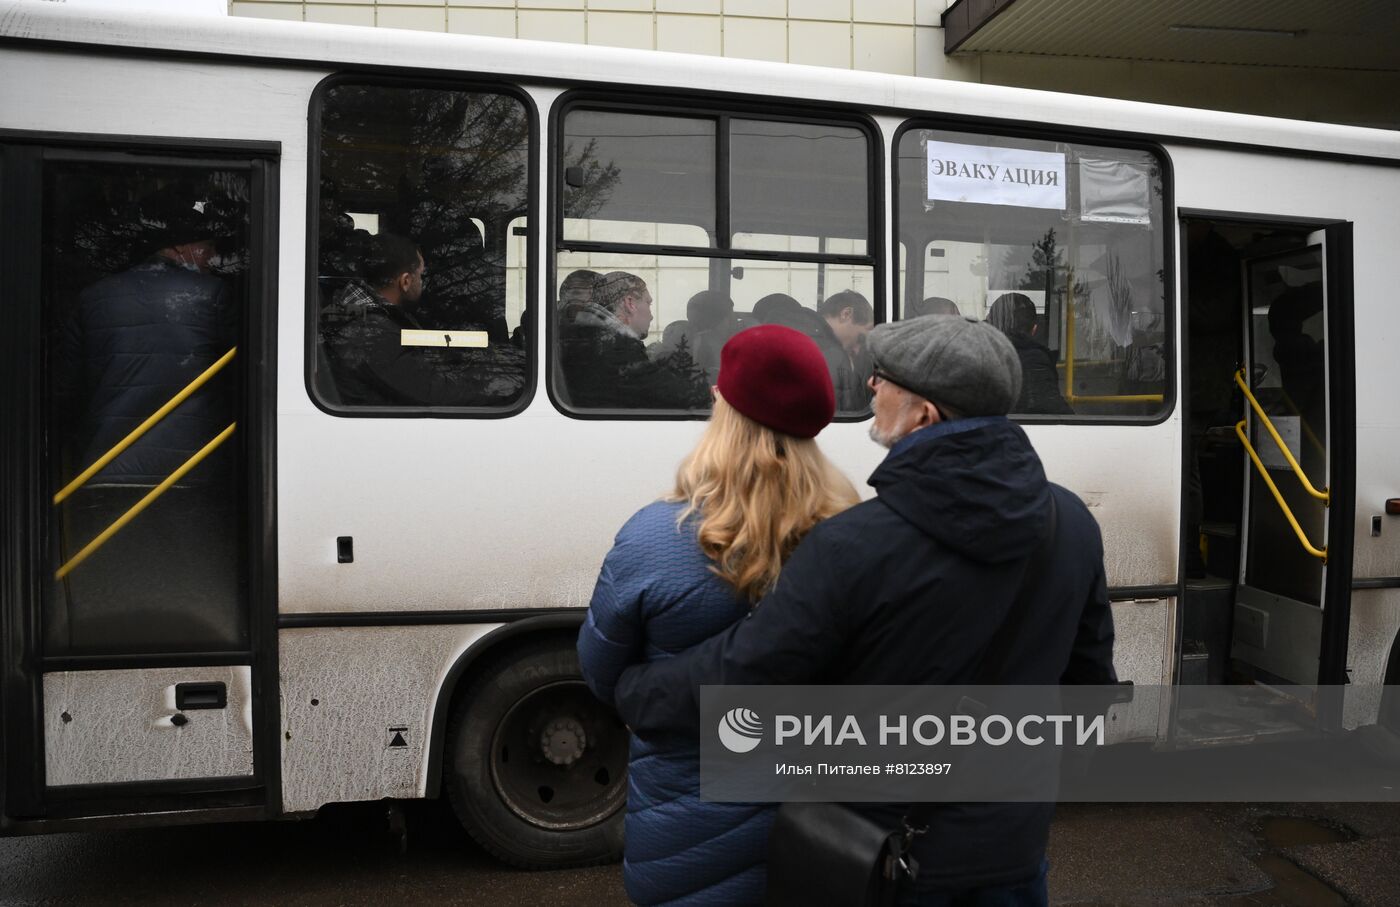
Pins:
x,y
778,377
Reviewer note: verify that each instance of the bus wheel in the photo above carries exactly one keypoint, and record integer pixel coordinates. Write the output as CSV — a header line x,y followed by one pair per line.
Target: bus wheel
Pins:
x,y
536,768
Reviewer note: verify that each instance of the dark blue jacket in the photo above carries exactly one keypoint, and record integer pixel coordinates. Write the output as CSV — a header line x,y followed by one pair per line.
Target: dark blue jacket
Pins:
x,y
135,340
909,588
656,596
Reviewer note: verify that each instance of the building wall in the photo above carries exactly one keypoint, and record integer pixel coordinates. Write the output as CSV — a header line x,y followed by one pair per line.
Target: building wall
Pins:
x,y
895,36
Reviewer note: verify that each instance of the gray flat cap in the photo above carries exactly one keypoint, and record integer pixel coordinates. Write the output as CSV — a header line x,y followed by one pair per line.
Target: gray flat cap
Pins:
x,y
967,365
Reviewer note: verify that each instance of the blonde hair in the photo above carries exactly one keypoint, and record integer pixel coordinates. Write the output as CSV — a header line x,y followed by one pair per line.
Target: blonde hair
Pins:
x,y
757,493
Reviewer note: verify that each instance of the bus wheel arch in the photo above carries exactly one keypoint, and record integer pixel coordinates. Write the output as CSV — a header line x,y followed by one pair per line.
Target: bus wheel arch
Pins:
x,y
533,765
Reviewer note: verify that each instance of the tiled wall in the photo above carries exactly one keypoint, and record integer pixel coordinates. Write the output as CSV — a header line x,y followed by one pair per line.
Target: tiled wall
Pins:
x,y
897,36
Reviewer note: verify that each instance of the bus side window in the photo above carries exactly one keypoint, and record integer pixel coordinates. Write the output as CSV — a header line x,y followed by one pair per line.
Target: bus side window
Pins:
x,y
1060,245
417,190
663,257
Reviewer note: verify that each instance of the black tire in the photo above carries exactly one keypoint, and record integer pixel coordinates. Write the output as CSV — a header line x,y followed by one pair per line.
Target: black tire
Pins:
x,y
536,767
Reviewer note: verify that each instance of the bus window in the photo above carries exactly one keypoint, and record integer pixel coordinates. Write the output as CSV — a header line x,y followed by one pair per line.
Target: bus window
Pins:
x,y
656,172
662,256
404,172
802,181
1060,245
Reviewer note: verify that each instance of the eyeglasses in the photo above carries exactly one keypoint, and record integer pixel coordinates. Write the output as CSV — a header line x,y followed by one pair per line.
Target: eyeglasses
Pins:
x,y
879,375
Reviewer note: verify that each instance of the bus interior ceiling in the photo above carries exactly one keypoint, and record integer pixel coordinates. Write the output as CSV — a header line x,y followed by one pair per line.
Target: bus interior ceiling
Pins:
x,y
1214,296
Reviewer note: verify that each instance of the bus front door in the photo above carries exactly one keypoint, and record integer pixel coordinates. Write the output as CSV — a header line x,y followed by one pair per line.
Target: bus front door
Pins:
x,y
138,685
1286,428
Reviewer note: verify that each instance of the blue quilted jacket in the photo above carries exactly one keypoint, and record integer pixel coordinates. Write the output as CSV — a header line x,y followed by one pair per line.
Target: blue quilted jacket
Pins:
x,y
655,597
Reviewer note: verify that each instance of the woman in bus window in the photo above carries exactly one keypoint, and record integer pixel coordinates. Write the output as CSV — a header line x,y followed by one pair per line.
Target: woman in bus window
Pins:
x,y
686,567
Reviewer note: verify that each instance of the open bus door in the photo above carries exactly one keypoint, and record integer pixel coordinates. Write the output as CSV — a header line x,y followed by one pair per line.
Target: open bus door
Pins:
x,y
139,674
1289,553
1271,384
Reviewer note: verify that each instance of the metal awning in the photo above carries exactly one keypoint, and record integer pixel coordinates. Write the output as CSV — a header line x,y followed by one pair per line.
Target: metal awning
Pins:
x,y
1335,34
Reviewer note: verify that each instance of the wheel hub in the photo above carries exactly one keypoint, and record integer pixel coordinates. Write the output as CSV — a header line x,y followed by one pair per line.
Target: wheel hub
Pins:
x,y
559,757
563,741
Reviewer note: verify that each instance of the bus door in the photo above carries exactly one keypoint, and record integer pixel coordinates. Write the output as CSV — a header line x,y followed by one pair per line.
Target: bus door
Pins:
x,y
136,678
1287,432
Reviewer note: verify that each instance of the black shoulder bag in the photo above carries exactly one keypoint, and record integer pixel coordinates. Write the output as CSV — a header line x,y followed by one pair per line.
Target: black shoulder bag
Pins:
x,y
827,853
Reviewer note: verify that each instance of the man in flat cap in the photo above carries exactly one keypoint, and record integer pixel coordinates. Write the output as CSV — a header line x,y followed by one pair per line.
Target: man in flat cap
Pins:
x,y
922,585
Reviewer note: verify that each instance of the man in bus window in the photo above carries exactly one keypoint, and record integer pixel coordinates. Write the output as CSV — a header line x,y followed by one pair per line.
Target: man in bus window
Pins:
x,y
915,586
1014,315
604,359
848,317
361,331
712,321
576,293
932,305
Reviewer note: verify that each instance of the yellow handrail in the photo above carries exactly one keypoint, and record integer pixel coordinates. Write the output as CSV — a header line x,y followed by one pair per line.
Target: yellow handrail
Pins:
x,y
1070,396
145,502
1264,474
1114,398
144,427
1324,496
1069,339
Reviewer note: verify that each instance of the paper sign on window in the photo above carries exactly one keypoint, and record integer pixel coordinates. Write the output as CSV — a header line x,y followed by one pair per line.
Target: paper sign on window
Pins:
x,y
1114,192
995,176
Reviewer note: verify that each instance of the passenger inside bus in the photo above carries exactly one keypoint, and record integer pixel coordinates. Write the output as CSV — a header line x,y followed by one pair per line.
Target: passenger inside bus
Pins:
x,y
576,293
777,308
1014,315
933,305
710,315
848,317
361,334
603,355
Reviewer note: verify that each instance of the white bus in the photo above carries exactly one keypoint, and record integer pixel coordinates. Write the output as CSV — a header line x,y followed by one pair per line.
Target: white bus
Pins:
x,y
340,571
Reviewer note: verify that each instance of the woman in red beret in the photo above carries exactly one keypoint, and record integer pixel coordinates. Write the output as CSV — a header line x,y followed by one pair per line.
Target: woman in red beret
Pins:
x,y
686,567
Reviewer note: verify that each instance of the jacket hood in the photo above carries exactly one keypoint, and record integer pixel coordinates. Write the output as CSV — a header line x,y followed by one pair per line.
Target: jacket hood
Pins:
x,y
974,485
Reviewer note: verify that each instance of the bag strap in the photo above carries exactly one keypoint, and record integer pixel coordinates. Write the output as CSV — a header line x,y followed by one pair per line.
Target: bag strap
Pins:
x,y
999,647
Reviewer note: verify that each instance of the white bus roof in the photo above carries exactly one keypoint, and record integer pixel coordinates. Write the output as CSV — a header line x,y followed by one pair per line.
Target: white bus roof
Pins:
x,y
188,7
537,61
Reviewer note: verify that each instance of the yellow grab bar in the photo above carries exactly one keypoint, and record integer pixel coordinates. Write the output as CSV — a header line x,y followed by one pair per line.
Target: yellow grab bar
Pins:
x,y
145,502
1324,496
1069,338
1070,396
144,427
1278,496
1114,398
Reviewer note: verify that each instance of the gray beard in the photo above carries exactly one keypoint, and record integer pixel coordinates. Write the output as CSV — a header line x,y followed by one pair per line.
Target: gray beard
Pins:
x,y
884,440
